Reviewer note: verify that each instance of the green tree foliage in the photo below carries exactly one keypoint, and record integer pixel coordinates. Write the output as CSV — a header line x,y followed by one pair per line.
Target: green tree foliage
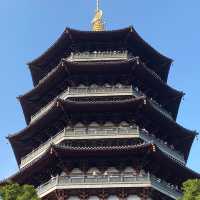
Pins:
x,y
16,192
191,190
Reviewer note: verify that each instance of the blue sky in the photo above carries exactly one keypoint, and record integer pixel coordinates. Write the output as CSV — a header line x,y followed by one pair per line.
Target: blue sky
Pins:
x,y
29,27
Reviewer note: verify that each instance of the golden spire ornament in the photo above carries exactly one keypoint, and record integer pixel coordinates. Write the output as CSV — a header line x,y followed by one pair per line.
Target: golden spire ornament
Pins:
x,y
97,23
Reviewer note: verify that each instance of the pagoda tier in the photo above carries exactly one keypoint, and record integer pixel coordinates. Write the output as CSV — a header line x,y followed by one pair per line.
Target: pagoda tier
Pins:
x,y
66,113
63,161
129,72
86,41
95,135
101,121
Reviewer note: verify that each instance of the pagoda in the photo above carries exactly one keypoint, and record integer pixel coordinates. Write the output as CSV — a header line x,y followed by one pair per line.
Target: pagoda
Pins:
x,y
101,121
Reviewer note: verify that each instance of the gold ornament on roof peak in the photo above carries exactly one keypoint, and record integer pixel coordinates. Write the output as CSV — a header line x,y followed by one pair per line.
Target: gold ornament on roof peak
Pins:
x,y
97,23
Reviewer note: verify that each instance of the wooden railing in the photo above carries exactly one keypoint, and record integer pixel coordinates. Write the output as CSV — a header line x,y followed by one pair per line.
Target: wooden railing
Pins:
x,y
124,180
163,146
98,56
99,91
78,134
101,133
86,92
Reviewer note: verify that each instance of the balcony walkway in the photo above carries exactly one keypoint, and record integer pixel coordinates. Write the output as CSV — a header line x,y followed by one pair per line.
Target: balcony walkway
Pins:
x,y
108,181
101,133
98,56
99,92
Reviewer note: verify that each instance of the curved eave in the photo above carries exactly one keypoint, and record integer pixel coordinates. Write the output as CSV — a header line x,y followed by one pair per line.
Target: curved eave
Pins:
x,y
178,169
37,67
57,150
69,37
62,71
77,35
151,153
174,107
186,137
142,105
37,92
15,139
160,64
174,95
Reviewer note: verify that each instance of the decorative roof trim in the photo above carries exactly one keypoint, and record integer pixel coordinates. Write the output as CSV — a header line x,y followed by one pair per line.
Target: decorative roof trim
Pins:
x,y
64,67
54,151
68,34
61,106
59,103
71,36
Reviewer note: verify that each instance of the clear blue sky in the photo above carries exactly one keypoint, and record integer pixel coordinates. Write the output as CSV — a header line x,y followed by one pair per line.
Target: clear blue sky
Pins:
x,y
28,27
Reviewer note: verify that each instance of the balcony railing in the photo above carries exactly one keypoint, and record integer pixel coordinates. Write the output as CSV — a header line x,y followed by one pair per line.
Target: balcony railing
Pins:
x,y
86,92
99,91
78,134
98,56
100,133
163,146
159,108
125,180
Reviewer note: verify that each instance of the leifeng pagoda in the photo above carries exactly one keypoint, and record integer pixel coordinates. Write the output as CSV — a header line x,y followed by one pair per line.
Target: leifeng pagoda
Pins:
x,y
101,121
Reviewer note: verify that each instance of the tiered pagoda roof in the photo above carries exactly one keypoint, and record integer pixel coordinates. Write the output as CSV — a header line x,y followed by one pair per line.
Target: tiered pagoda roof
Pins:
x,y
140,109
63,73
58,154
127,83
75,40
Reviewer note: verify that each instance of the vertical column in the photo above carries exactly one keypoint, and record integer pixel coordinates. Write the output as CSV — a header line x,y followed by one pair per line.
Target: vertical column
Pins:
x,y
145,194
103,195
83,195
61,195
122,195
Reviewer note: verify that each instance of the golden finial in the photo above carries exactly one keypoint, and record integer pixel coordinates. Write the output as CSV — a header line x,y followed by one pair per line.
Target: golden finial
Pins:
x,y
97,23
